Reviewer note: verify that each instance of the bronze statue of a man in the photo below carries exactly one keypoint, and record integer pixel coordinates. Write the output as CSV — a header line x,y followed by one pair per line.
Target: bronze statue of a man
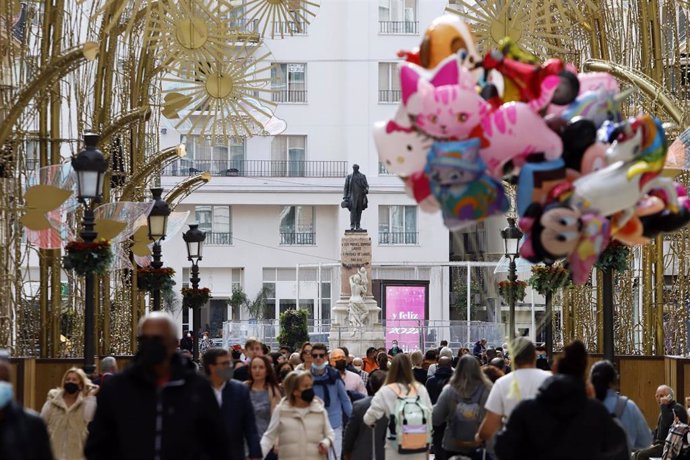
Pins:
x,y
355,196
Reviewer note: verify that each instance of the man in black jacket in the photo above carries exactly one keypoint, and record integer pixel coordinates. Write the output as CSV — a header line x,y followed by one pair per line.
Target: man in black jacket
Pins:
x,y
235,405
669,409
357,440
159,408
436,382
23,434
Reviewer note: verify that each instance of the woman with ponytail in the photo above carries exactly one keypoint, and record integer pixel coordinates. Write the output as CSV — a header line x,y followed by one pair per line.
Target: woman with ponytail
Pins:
x,y
604,379
562,422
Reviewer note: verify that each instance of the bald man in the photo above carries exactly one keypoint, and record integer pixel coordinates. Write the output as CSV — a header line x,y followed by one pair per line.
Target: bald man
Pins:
x,y
158,408
23,433
669,409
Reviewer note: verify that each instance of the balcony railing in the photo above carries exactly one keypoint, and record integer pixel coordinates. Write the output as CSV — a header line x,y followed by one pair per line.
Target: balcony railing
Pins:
x,y
398,238
244,27
258,168
389,95
305,239
218,239
289,28
289,96
398,27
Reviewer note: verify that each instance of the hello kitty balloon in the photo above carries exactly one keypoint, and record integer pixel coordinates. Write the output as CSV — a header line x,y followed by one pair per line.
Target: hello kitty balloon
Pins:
x,y
402,149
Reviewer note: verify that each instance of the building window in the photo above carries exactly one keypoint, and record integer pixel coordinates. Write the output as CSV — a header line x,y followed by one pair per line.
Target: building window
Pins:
x,y
217,156
216,222
389,83
297,225
289,83
32,152
398,225
236,282
289,155
325,301
398,17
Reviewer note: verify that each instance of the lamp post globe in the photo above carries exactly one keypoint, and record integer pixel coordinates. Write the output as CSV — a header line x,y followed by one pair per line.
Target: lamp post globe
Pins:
x,y
158,217
90,166
194,239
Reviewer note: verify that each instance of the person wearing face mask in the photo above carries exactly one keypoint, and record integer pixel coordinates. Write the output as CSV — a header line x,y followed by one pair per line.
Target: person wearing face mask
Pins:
x,y
235,405
159,407
300,427
23,433
330,388
395,349
353,383
358,368
67,412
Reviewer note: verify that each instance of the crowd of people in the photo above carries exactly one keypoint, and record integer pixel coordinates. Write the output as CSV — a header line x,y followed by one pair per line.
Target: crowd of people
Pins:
x,y
252,403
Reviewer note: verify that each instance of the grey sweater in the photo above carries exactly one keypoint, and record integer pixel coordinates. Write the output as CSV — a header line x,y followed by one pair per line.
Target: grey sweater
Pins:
x,y
445,408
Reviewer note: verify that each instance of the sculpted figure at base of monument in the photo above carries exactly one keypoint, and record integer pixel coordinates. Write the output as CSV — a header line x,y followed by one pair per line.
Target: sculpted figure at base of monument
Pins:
x,y
358,312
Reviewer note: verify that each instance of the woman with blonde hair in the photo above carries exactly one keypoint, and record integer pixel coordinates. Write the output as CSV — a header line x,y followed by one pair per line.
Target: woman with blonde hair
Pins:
x,y
299,428
400,384
67,413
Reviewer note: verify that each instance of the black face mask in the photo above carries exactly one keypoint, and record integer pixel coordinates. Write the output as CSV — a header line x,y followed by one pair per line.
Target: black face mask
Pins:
x,y
341,364
152,351
71,388
307,395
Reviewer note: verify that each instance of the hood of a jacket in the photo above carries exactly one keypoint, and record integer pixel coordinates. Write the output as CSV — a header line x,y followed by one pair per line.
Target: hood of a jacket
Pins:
x,y
562,395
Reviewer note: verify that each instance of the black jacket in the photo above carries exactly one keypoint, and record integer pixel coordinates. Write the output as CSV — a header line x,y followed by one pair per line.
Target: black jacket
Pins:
x,y
23,435
561,423
435,383
238,414
420,374
357,436
131,405
665,420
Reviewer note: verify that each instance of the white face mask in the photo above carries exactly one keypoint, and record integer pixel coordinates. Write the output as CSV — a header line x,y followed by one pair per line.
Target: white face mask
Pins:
x,y
357,368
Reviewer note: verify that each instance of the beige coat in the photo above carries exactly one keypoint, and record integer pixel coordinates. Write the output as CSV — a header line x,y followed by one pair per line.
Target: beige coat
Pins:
x,y
67,427
297,432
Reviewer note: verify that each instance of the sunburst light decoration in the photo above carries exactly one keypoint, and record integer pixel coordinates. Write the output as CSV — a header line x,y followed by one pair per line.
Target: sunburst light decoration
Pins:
x,y
275,18
233,87
538,27
189,30
117,11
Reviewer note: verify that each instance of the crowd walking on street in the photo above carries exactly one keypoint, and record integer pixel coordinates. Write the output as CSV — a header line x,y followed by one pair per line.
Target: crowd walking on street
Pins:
x,y
312,403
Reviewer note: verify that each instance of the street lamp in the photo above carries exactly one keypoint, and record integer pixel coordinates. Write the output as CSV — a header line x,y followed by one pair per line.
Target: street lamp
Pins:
x,y
511,240
194,239
158,225
90,166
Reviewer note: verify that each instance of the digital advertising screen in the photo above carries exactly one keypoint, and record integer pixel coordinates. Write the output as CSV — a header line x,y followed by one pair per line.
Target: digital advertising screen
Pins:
x,y
405,312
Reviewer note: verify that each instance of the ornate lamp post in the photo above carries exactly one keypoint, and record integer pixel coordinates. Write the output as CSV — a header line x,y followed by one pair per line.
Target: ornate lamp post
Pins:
x,y
511,240
158,225
90,166
194,239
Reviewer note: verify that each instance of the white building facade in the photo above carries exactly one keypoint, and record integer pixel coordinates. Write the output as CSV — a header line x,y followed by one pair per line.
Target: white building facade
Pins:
x,y
272,209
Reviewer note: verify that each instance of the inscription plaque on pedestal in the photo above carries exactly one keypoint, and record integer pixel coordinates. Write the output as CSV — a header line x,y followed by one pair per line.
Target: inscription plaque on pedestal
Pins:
x,y
355,252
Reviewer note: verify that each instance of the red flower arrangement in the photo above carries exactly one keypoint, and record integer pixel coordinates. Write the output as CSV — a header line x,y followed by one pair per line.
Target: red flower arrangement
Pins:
x,y
195,298
149,278
83,257
512,290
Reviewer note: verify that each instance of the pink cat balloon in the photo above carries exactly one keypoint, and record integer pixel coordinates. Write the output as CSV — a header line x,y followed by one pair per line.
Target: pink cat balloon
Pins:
x,y
402,149
442,103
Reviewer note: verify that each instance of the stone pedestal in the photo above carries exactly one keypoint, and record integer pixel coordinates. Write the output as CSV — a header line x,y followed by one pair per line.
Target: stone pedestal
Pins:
x,y
355,254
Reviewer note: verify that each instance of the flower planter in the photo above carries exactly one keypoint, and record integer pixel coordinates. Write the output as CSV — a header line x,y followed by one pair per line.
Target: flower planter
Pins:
x,y
195,298
512,291
149,279
83,257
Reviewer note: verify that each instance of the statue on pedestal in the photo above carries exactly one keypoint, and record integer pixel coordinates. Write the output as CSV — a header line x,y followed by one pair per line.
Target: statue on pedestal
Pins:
x,y
358,312
355,197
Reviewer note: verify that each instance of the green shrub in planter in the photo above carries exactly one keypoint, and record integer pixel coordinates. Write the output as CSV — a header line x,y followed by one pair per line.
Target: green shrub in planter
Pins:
x,y
293,329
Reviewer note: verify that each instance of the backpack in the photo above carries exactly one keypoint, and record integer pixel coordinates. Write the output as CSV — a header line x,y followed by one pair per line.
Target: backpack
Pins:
x,y
410,424
466,418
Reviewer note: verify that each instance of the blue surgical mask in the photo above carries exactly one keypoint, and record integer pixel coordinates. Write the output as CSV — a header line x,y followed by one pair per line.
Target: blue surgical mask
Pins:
x,y
6,394
319,367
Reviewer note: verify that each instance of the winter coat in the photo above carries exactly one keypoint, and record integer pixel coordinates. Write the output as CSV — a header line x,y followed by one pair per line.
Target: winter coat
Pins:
x,y
420,374
67,426
297,432
561,423
666,416
23,435
330,388
131,406
357,437
436,382
238,414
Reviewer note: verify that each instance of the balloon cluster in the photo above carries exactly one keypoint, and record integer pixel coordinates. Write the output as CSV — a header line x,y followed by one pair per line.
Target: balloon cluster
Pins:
x,y
584,174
